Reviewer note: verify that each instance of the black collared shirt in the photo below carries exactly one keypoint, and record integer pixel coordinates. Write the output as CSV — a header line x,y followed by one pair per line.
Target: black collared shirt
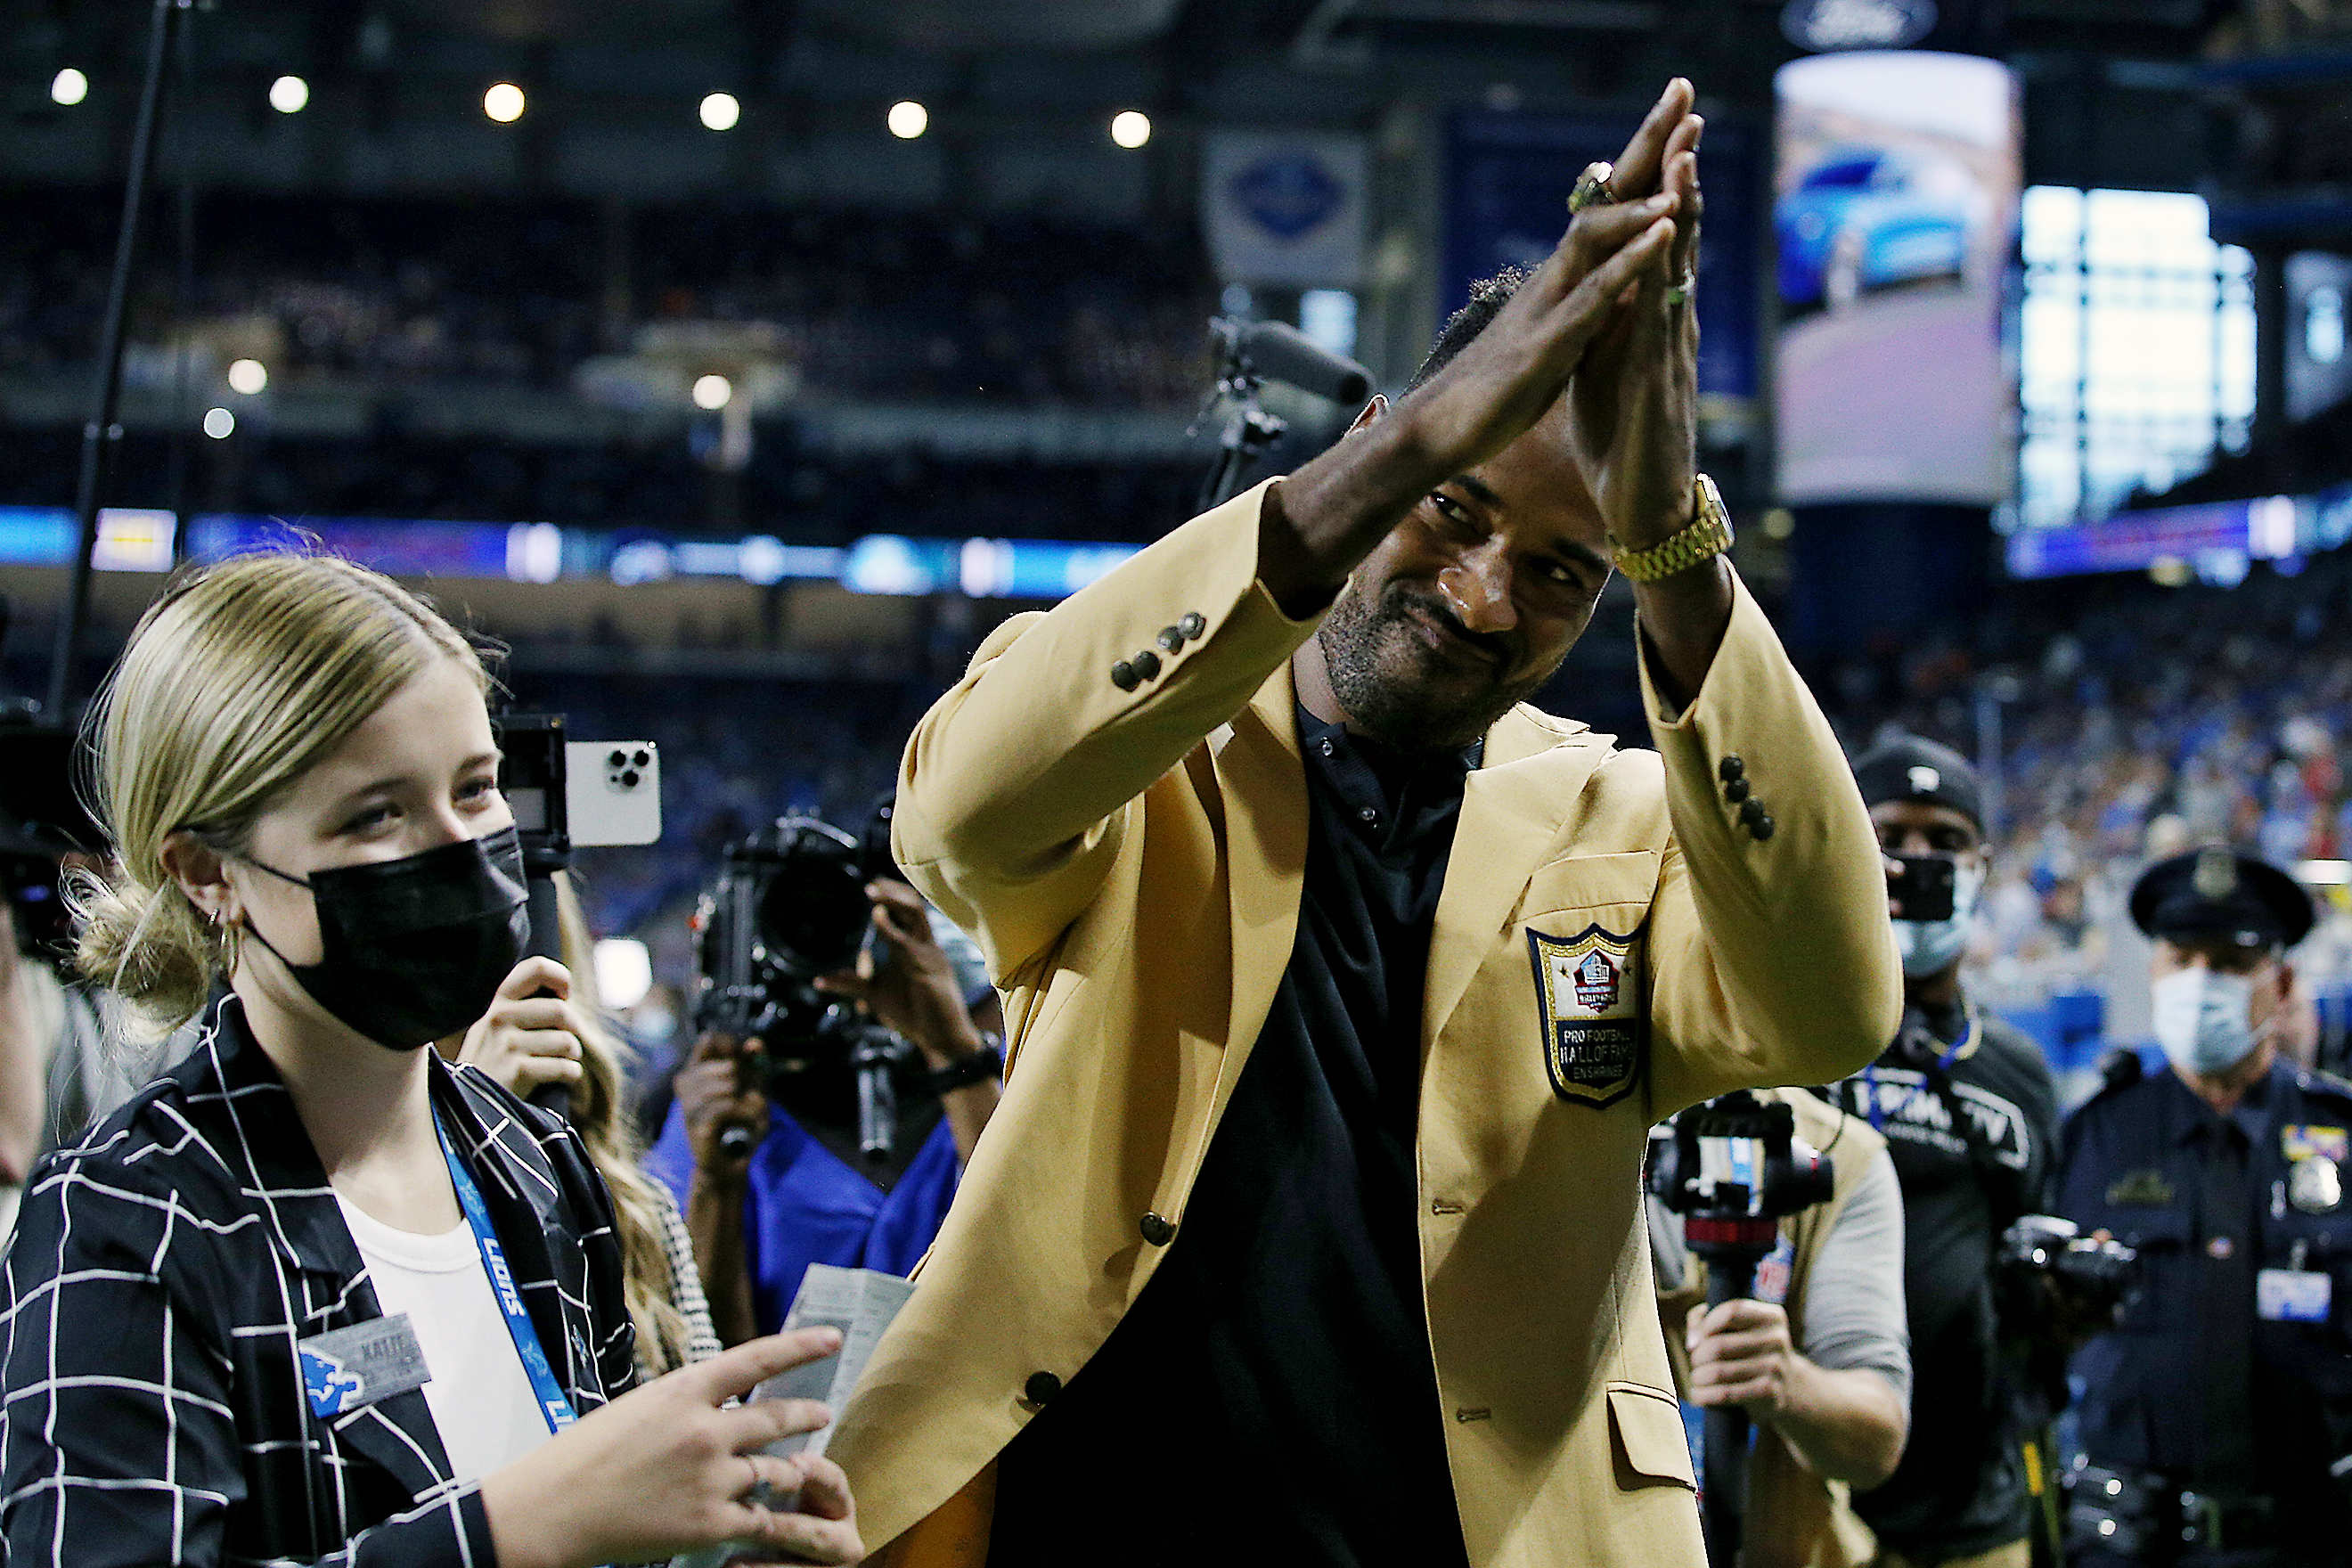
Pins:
x,y
1278,1366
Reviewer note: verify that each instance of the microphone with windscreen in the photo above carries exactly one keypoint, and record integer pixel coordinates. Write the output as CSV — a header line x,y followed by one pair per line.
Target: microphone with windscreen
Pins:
x,y
1277,351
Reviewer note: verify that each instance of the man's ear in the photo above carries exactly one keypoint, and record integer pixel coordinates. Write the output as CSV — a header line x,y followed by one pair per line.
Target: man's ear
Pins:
x,y
1372,410
201,873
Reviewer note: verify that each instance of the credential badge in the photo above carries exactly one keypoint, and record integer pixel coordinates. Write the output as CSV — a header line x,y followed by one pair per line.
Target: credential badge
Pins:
x,y
1596,1033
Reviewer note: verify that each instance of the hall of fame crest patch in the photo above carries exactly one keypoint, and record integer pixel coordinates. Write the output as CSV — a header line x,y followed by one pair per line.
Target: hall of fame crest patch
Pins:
x,y
1596,1034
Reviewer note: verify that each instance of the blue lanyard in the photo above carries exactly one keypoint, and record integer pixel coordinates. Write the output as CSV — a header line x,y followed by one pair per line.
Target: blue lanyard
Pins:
x,y
1878,1116
552,1404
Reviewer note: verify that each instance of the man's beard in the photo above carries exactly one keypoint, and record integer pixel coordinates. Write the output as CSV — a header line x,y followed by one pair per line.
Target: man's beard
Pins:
x,y
1395,689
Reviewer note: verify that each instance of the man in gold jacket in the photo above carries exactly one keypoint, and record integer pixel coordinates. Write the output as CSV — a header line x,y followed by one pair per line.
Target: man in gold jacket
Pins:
x,y
1343,989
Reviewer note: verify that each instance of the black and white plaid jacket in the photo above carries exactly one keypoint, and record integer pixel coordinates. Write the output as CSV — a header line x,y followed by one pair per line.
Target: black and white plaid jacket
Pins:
x,y
160,1275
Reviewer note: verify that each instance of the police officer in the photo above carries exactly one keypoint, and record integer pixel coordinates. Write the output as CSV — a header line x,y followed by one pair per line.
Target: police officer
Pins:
x,y
2217,1414
1969,1115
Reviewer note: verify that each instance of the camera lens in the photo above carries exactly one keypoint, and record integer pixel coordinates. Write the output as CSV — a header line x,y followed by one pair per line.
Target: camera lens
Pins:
x,y
813,911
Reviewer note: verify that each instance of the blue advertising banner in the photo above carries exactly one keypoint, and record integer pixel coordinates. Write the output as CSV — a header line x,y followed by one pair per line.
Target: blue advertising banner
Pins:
x,y
1507,179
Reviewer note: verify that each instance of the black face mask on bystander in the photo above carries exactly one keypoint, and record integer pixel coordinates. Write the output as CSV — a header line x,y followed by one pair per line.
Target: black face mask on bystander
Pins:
x,y
413,950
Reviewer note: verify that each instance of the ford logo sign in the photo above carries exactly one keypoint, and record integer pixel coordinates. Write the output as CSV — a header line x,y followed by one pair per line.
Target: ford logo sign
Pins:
x,y
1857,24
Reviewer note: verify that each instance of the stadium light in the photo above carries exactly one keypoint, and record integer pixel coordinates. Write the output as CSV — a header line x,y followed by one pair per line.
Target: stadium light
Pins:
x,y
219,423
503,102
289,95
68,87
712,391
247,376
720,111
1130,127
908,120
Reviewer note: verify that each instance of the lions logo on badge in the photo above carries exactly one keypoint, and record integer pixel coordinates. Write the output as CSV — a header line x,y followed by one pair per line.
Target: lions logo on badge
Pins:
x,y
1596,1034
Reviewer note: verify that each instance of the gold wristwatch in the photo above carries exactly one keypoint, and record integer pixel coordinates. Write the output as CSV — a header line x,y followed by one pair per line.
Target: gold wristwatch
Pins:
x,y
1708,536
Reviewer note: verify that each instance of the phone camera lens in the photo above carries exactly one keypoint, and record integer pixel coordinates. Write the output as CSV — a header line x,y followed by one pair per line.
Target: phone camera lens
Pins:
x,y
629,779
618,759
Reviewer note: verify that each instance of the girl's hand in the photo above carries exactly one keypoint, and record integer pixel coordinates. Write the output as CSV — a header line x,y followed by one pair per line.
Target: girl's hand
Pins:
x,y
665,1469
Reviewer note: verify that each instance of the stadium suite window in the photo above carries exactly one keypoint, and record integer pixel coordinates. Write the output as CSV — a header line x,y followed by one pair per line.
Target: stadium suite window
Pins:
x,y
2135,348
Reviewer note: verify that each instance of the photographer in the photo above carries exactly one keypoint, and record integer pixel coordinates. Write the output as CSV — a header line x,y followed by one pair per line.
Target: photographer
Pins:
x,y
1969,1112
315,1294
1817,1356
791,1187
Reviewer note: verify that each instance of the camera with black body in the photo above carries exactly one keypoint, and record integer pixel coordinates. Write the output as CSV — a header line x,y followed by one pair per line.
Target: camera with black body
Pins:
x,y
2050,1278
790,906
42,825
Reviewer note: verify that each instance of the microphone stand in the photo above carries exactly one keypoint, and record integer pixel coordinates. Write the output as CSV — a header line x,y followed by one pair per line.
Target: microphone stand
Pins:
x,y
1251,430
101,431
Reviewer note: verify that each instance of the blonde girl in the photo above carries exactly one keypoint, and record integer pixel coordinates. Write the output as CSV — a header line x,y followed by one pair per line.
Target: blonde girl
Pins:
x,y
315,1295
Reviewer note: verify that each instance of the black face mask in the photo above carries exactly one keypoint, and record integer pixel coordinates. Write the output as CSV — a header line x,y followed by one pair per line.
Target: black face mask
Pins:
x,y
412,951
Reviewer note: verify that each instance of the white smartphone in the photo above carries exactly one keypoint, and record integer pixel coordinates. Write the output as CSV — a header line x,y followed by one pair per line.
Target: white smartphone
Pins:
x,y
612,792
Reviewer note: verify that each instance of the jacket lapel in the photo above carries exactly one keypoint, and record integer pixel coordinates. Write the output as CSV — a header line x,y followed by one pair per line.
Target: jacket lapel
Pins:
x,y
519,1188
1514,809
1263,782
281,1170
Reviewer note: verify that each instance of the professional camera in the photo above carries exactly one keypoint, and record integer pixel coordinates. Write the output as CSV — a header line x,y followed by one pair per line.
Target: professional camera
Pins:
x,y
2047,1274
790,906
1733,1167
41,824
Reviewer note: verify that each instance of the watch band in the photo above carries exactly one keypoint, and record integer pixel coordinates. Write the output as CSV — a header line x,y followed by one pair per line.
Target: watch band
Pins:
x,y
1708,536
974,1067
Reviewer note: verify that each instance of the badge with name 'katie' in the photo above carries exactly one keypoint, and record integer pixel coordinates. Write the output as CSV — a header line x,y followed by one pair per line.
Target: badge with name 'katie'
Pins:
x,y
1596,1033
352,1368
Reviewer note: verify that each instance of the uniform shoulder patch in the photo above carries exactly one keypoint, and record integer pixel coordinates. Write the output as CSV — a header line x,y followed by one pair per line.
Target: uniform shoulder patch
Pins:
x,y
1590,993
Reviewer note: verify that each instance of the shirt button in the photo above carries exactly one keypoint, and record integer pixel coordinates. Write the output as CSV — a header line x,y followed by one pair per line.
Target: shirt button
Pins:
x,y
1735,791
1191,624
1145,665
1170,638
1751,812
1159,1229
1731,767
1370,818
1327,747
1123,676
1762,829
1041,1387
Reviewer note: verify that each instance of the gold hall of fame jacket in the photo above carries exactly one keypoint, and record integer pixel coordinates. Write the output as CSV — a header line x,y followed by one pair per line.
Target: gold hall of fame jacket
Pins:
x,y
1114,802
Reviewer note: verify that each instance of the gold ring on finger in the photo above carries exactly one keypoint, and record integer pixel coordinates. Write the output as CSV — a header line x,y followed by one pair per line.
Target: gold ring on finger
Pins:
x,y
1592,188
1679,291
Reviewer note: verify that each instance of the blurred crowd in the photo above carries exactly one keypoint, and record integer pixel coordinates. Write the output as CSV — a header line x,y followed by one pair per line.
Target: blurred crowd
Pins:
x,y
2133,721
398,292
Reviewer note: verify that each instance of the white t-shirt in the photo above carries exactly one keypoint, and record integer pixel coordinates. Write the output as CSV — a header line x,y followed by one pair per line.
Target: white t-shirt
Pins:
x,y
479,1395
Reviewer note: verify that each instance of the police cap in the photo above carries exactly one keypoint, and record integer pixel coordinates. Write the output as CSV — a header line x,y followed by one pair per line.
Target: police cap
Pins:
x,y
1909,767
2209,893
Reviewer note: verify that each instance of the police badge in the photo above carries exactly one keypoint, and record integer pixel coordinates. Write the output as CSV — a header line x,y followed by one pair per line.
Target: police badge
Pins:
x,y
1596,1032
